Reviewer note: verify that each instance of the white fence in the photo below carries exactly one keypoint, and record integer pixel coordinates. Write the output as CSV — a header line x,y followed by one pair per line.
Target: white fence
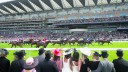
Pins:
x,y
30,49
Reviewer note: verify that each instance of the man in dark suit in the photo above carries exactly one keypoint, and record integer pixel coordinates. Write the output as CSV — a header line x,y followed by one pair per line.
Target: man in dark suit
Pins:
x,y
17,64
48,65
4,63
120,64
40,58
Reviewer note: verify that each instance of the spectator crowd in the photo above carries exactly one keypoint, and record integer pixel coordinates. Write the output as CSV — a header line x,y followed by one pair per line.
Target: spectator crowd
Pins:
x,y
55,36
93,20
59,60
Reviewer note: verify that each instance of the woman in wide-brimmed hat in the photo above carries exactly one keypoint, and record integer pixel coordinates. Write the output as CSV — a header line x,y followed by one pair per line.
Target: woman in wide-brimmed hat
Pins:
x,y
56,58
30,65
75,62
67,61
84,61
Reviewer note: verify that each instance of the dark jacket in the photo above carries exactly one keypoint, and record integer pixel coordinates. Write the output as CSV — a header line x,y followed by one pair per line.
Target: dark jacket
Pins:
x,y
93,65
105,66
4,64
84,66
120,65
40,59
17,66
48,66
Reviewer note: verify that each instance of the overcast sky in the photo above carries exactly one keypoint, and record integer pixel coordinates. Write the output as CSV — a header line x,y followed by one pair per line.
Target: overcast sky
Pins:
x,y
1,1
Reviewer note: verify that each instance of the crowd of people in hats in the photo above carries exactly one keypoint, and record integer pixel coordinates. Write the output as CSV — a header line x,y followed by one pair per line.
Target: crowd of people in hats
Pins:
x,y
58,60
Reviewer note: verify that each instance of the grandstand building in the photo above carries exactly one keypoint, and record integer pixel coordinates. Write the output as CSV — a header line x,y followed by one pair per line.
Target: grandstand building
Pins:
x,y
38,16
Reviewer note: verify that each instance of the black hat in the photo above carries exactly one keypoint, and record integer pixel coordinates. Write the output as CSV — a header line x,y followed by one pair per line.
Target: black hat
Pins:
x,y
30,63
47,55
2,52
104,54
119,52
41,51
6,51
68,51
96,54
20,54
23,51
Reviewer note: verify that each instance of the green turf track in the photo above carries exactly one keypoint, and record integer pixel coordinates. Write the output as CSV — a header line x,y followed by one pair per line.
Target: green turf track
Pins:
x,y
95,45
112,54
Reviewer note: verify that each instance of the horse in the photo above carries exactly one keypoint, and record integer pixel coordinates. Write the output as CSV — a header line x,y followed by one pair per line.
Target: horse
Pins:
x,y
15,43
101,42
72,41
39,43
80,42
28,41
89,42
60,42
31,42
65,41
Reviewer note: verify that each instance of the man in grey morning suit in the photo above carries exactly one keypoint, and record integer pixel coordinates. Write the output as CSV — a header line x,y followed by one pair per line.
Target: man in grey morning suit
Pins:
x,y
105,65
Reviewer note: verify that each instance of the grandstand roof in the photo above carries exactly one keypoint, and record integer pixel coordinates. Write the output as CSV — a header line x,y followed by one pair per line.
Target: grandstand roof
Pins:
x,y
25,6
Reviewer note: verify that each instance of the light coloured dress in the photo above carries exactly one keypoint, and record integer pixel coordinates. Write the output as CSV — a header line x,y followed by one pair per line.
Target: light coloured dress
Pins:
x,y
74,67
66,66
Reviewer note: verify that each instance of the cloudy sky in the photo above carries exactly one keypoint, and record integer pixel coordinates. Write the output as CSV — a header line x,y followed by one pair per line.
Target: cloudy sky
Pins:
x,y
1,1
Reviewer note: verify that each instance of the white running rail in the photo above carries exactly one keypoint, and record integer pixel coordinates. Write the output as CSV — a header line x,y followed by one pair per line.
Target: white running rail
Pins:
x,y
30,49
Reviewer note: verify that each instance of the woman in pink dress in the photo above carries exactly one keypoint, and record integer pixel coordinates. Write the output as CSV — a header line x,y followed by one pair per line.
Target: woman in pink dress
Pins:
x,y
57,59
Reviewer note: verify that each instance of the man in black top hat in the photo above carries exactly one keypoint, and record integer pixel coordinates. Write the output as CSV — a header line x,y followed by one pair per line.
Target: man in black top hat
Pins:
x,y
48,65
17,64
4,62
120,64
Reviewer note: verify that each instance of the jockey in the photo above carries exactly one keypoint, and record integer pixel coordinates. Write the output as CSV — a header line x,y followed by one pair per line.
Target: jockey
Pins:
x,y
36,39
44,40
18,40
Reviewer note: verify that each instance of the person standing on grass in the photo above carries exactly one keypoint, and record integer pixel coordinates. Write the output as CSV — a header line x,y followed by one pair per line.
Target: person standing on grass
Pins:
x,y
48,65
67,61
4,62
105,65
85,61
120,64
57,59
75,62
17,64
30,65
40,58
93,65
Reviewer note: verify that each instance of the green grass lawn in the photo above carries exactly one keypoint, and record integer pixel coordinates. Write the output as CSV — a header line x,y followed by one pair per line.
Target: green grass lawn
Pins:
x,y
112,54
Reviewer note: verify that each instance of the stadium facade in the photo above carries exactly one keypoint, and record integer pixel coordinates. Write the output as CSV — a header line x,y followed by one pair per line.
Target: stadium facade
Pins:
x,y
37,16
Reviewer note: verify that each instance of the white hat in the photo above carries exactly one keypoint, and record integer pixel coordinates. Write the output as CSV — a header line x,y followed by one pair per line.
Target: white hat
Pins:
x,y
85,51
68,51
30,63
